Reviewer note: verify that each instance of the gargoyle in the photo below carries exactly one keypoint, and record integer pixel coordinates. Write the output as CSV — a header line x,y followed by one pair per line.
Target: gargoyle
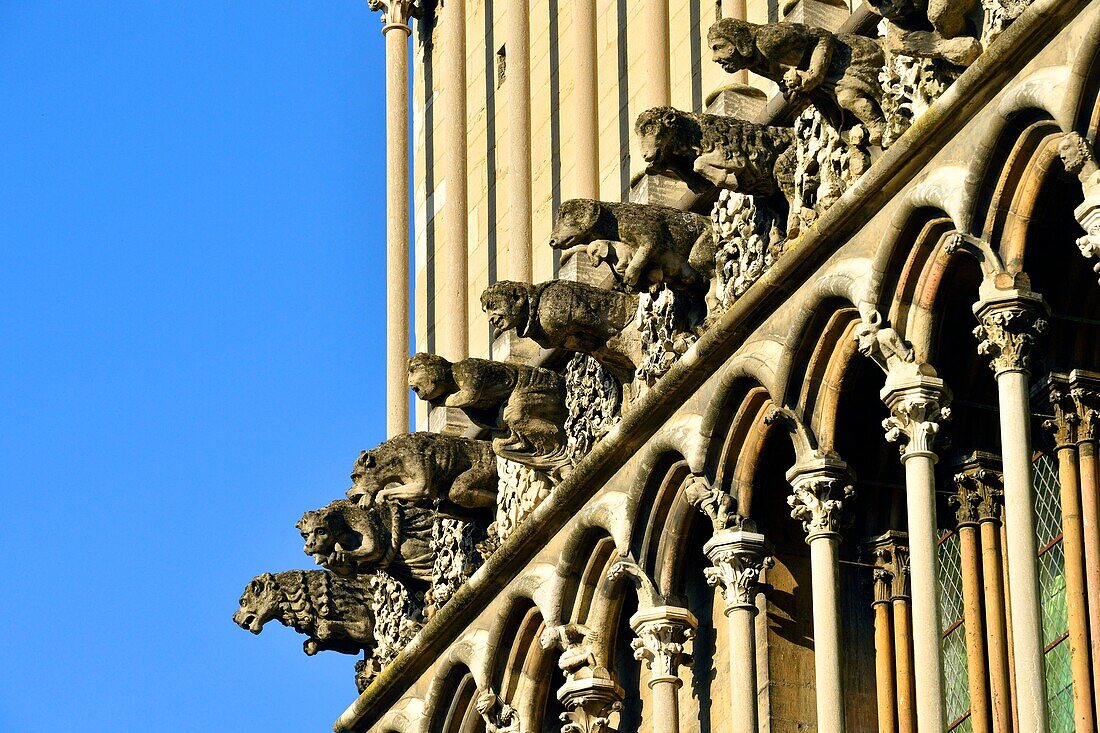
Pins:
x,y
523,405
333,612
883,345
807,61
570,316
730,153
933,29
352,540
653,244
451,474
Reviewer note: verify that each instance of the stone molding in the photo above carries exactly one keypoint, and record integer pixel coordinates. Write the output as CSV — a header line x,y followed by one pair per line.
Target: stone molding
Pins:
x,y
1010,327
739,559
819,489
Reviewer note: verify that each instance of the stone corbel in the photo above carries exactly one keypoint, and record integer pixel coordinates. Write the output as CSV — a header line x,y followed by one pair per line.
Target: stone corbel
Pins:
x,y
1079,159
819,489
589,704
719,507
1011,324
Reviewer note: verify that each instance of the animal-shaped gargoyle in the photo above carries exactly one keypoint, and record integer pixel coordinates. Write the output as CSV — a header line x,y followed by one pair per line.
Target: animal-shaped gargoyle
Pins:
x,y
455,476
352,540
570,316
333,612
808,61
644,244
730,153
524,406
935,29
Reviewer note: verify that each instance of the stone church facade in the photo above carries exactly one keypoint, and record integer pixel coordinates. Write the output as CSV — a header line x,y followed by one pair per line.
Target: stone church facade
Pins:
x,y
757,375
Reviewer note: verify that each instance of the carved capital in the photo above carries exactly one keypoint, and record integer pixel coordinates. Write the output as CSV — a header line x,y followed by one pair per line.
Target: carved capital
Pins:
x,y
720,507
1066,421
739,558
979,486
396,13
890,555
1084,392
818,493
917,408
1010,327
662,635
589,705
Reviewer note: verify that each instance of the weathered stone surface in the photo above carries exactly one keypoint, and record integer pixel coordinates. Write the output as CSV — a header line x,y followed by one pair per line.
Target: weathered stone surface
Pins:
x,y
333,612
455,558
910,86
398,617
805,61
1079,159
594,400
750,241
450,473
352,540
643,244
524,406
570,316
825,164
665,321
935,29
724,151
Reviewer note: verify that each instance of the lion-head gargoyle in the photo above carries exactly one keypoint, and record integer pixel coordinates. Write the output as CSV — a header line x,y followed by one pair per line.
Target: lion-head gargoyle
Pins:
x,y
808,61
351,540
454,476
570,316
644,244
524,406
730,153
333,612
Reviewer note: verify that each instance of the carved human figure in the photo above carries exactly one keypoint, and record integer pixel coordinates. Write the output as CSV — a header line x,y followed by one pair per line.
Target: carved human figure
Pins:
x,y
730,153
936,29
523,405
570,316
449,473
807,61
333,612
352,540
653,244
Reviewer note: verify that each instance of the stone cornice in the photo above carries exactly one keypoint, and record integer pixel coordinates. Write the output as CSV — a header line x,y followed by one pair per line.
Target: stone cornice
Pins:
x,y
977,86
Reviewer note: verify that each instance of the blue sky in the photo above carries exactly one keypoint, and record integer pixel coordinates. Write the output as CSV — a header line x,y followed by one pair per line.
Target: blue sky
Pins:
x,y
191,321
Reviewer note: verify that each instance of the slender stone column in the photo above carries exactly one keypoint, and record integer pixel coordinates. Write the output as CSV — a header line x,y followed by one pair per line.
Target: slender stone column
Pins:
x,y
1010,325
739,557
395,17
819,488
967,500
662,636
656,88
517,84
452,255
1085,393
917,403
890,554
586,118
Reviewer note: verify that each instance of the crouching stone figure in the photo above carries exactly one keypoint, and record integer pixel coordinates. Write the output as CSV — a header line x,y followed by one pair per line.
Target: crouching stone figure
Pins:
x,y
523,405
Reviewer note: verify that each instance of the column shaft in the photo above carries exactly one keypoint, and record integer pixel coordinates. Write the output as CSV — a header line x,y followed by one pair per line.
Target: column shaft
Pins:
x,y
903,654
884,669
1023,563
586,120
828,667
980,712
666,706
920,486
397,228
518,107
452,255
656,89
741,622
1090,515
996,634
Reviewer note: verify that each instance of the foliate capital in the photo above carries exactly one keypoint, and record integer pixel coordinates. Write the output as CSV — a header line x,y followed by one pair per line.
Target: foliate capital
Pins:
x,y
1010,326
889,553
662,635
589,705
917,408
979,490
739,558
396,13
1084,391
818,493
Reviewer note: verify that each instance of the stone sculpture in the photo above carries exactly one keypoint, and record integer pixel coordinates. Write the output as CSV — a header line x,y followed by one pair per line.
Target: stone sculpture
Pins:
x,y
807,62
499,716
523,405
1078,158
352,540
570,316
577,644
644,244
727,152
932,29
454,475
333,612
883,345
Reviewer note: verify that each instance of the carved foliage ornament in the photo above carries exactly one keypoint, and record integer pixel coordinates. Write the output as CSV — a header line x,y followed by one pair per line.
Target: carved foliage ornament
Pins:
x,y
915,420
817,501
736,572
396,12
910,86
662,321
661,644
593,399
825,166
750,241
979,495
1008,334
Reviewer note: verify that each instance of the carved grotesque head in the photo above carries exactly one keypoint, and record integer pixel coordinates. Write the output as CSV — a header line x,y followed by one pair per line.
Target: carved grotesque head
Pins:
x,y
867,335
732,44
363,486
430,376
259,603
319,539
344,527
1074,151
506,303
576,220
665,133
